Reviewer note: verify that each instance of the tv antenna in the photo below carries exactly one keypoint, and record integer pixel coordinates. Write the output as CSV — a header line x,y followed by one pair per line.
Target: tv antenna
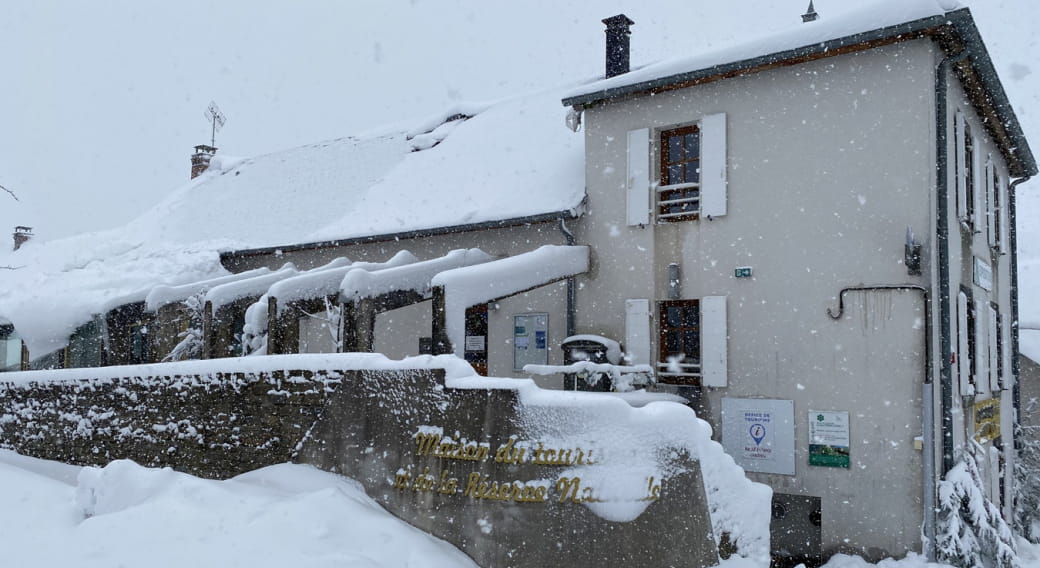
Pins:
x,y
216,119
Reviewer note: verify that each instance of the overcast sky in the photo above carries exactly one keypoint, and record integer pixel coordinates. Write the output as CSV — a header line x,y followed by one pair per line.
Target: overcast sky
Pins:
x,y
103,101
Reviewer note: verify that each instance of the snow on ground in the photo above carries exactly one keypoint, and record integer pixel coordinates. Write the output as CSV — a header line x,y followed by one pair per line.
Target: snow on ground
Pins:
x,y
285,515
128,515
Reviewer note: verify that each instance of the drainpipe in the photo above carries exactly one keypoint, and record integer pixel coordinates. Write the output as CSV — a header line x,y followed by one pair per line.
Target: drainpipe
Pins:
x,y
942,229
1016,392
570,281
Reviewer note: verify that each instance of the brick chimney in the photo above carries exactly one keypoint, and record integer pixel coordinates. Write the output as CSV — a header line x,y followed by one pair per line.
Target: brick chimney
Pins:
x,y
617,44
21,234
200,159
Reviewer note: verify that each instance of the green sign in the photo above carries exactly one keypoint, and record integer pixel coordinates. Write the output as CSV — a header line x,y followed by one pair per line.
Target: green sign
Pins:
x,y
829,439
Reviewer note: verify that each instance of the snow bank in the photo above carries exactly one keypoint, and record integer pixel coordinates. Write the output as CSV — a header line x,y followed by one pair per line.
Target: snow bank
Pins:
x,y
472,285
128,515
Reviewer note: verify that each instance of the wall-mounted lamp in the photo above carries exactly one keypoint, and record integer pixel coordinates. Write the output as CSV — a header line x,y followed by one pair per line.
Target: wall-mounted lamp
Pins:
x,y
912,254
674,282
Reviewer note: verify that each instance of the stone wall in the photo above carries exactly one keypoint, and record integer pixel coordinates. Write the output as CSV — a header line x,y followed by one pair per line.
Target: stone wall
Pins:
x,y
512,475
214,426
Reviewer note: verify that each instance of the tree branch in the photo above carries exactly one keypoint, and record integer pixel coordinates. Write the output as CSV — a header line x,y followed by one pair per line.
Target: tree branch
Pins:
x,y
10,192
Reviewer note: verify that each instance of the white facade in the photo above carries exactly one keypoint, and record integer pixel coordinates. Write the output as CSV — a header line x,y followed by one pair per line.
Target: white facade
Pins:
x,y
829,163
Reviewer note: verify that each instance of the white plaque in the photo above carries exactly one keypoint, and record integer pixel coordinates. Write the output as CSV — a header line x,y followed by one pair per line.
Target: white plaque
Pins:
x,y
759,434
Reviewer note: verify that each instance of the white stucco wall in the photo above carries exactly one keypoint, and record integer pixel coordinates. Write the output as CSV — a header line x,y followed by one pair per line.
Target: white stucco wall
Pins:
x,y
828,163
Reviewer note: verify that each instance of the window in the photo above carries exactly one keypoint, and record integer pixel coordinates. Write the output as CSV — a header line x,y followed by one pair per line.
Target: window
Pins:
x,y
995,212
680,342
679,193
964,158
687,179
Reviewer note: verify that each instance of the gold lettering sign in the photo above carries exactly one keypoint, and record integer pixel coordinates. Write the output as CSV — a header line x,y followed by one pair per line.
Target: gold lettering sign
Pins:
x,y
987,420
483,487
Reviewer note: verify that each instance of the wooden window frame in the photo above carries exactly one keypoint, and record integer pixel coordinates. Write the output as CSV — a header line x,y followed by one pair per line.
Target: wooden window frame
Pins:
x,y
691,370
670,194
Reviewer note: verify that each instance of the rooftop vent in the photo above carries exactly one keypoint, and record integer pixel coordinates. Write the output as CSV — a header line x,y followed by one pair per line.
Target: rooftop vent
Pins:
x,y
200,159
810,15
21,234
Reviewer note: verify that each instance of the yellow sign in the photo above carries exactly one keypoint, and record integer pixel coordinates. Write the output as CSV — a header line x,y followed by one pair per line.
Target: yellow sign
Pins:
x,y
987,420
481,486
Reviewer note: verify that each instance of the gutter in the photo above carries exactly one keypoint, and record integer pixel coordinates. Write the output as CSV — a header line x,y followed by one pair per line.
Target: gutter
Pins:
x,y
231,258
942,230
1016,364
570,281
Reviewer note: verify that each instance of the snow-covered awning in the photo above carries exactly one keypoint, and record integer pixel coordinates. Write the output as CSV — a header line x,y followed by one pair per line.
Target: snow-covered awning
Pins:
x,y
472,285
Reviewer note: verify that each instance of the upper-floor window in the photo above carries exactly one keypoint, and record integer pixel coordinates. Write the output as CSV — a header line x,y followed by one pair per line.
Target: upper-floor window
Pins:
x,y
679,192
965,171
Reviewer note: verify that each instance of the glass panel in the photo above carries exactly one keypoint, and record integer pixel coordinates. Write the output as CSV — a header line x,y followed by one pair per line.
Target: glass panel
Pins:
x,y
693,172
672,343
693,145
674,174
693,316
675,148
674,316
692,346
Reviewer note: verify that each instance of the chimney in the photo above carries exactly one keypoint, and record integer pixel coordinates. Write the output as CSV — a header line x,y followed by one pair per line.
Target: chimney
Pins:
x,y
21,234
200,159
617,44
810,15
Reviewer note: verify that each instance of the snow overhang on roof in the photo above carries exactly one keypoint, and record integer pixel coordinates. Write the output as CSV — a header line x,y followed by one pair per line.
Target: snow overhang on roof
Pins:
x,y
953,31
229,259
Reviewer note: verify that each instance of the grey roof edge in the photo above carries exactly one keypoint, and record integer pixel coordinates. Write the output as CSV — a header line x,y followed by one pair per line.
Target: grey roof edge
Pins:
x,y
959,20
965,26
906,28
574,213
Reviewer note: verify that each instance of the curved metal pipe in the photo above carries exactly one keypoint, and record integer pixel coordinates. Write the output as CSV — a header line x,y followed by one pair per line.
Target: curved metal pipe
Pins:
x,y
927,403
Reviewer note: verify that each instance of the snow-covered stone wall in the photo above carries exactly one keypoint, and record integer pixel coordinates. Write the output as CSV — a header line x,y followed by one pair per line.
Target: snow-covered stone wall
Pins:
x,y
213,425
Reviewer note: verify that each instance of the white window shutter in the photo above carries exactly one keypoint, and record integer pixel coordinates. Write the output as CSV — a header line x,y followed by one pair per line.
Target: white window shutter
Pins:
x,y
638,184
1005,382
991,210
963,352
1005,217
637,331
979,189
994,362
960,168
714,361
713,165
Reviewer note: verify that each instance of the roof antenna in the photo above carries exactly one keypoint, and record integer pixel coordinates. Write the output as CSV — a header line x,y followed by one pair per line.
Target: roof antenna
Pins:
x,y
810,15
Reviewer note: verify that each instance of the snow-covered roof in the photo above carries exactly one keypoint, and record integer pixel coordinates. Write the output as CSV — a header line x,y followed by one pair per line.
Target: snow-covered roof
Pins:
x,y
468,165
874,22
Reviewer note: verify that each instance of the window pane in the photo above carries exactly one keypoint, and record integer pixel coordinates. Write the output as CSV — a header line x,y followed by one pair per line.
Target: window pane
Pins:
x,y
675,148
672,343
675,174
692,345
692,316
693,172
693,145
674,316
